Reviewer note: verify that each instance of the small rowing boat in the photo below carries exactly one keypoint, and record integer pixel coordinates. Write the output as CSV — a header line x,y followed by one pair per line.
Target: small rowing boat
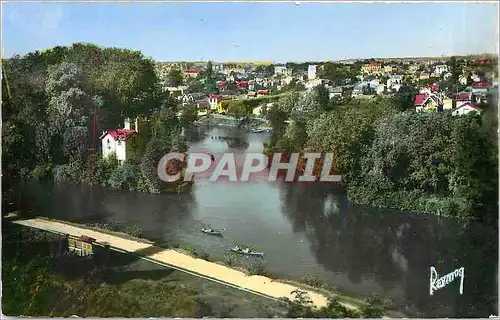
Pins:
x,y
246,251
212,232
258,130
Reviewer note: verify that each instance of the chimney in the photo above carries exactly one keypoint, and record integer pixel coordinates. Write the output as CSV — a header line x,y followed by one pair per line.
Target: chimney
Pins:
x,y
127,123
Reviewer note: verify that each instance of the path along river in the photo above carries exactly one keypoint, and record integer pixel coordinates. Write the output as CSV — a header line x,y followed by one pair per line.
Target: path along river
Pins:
x,y
303,228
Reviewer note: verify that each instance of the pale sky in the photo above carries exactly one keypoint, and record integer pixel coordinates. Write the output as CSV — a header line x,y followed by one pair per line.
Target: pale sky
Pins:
x,y
256,31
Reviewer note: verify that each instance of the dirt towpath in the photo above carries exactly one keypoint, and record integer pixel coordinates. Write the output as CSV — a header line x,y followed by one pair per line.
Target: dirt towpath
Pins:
x,y
256,284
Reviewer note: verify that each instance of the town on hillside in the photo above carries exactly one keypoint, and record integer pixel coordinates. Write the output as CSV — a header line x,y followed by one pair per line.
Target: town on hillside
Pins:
x,y
250,160
456,84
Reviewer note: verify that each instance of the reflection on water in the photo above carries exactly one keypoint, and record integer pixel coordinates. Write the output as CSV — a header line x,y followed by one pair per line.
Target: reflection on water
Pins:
x,y
303,228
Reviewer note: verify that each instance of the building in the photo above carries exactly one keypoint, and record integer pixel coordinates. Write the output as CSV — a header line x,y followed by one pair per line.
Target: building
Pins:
x,y
466,108
388,69
122,142
413,68
192,73
336,92
214,100
440,69
279,70
311,72
480,87
381,88
447,104
375,67
481,62
426,102
394,80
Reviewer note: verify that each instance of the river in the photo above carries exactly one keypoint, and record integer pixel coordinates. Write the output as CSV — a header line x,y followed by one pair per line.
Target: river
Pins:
x,y
304,228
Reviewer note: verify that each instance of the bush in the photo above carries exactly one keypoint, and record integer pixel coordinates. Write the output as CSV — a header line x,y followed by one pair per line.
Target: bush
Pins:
x,y
42,171
124,177
258,269
302,307
230,259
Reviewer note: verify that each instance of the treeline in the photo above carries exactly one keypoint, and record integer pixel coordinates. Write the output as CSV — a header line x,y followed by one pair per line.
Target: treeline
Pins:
x,y
430,162
49,101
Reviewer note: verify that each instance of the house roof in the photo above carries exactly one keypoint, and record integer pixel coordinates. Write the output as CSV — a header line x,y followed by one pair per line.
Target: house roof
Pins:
x,y
202,102
122,134
215,96
420,99
470,105
192,71
483,84
463,96
374,64
263,91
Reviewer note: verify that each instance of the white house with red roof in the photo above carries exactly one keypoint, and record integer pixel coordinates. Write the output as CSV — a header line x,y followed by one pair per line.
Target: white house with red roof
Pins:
x,y
120,142
466,108
480,86
427,101
191,73
462,98
214,100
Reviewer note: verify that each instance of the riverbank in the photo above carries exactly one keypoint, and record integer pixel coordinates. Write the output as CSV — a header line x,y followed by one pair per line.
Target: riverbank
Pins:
x,y
257,284
69,285
253,277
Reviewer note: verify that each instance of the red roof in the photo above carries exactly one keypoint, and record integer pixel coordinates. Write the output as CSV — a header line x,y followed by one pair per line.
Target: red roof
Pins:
x,y
263,91
242,84
470,104
221,84
202,103
122,134
192,71
216,97
483,84
464,96
421,98
481,61
374,64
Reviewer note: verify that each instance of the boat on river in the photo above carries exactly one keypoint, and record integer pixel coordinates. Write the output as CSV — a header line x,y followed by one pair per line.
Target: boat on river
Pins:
x,y
258,130
246,251
213,232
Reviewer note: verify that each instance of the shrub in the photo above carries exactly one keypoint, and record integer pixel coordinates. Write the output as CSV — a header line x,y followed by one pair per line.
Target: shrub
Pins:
x,y
230,259
258,269
124,177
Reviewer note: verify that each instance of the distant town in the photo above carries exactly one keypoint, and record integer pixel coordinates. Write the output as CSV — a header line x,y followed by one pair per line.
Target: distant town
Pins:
x,y
459,84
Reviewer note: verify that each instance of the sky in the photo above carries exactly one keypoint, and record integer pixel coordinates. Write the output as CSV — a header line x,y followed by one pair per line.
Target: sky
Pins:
x,y
277,32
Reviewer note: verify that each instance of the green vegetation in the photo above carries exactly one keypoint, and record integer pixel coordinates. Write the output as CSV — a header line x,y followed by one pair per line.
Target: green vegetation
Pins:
x,y
250,266
175,78
36,282
57,102
301,307
424,162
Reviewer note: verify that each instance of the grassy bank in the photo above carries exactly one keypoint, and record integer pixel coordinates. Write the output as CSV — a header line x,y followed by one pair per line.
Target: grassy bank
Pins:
x,y
248,266
36,284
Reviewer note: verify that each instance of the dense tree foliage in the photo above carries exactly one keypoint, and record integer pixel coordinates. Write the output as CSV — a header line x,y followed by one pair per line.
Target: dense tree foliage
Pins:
x,y
338,73
175,77
50,99
426,162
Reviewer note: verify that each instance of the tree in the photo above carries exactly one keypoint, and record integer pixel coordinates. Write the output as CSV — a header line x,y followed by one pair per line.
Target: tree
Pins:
x,y
237,109
404,98
175,78
188,116
69,104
